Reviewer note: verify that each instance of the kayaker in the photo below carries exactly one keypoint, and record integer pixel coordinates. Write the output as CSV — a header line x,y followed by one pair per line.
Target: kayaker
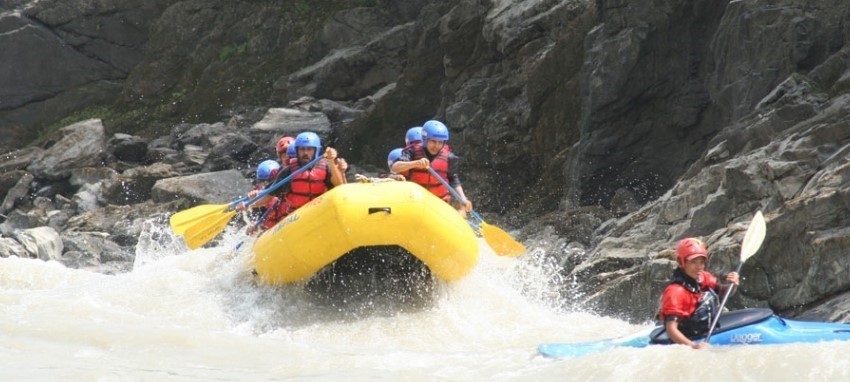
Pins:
x,y
436,153
689,301
307,185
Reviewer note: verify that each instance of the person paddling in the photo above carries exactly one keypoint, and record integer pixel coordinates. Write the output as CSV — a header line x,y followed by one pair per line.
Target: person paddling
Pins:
x,y
689,301
266,171
434,152
306,186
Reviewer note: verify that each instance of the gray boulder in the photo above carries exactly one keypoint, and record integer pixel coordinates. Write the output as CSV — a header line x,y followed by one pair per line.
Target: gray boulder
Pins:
x,y
285,121
18,192
215,187
128,148
81,145
135,184
41,242
11,247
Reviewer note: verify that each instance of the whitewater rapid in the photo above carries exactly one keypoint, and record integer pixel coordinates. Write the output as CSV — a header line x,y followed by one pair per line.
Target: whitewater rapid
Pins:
x,y
198,315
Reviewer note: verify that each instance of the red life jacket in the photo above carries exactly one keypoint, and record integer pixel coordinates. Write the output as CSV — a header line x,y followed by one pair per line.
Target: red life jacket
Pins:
x,y
279,211
423,177
694,303
307,185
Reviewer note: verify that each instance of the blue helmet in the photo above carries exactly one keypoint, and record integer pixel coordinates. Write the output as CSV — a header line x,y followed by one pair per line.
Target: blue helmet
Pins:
x,y
435,130
266,168
308,139
290,151
414,134
394,154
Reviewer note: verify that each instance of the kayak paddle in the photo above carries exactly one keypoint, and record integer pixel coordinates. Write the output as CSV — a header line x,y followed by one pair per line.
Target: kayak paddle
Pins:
x,y
751,244
209,222
502,243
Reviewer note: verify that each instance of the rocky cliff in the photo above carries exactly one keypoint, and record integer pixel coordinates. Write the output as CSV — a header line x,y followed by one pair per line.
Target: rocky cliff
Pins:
x,y
605,130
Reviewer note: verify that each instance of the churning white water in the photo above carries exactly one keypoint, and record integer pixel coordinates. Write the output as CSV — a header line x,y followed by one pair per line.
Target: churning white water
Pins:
x,y
198,316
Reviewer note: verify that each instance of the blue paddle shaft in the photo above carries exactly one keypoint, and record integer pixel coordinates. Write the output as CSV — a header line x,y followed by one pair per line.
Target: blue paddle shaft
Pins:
x,y
446,185
453,192
282,182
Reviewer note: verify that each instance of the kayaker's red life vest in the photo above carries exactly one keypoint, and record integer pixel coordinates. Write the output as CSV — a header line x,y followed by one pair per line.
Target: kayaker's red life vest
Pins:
x,y
423,177
693,301
307,185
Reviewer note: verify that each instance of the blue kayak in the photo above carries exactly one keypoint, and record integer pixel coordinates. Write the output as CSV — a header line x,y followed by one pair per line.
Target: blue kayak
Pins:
x,y
745,326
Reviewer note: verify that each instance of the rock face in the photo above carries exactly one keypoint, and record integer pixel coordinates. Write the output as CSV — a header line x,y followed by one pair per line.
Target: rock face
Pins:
x,y
606,129
90,44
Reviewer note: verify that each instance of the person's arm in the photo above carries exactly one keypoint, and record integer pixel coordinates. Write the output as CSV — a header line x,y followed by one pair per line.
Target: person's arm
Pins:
x,y
342,165
280,192
454,180
672,326
336,176
404,163
732,280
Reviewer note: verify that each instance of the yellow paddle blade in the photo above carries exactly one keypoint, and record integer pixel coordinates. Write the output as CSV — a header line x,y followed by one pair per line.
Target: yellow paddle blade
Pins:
x,y
206,230
502,243
185,219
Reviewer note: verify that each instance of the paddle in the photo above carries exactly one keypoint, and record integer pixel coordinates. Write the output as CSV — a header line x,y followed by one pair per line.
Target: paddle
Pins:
x,y
502,243
751,244
255,225
208,226
182,220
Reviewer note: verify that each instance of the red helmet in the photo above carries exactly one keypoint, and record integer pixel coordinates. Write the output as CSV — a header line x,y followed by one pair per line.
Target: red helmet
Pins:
x,y
283,144
690,248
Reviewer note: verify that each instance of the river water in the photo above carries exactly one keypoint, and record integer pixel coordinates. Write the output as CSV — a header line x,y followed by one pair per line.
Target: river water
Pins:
x,y
198,316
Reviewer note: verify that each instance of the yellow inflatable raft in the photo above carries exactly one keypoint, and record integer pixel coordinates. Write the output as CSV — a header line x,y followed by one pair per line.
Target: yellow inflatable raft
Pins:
x,y
356,215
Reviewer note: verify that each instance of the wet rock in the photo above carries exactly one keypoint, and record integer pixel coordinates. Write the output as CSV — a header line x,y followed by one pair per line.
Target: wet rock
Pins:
x,y
11,247
123,223
90,249
87,197
128,148
81,145
8,180
41,242
18,159
231,151
90,175
215,187
56,219
18,192
17,220
135,184
285,121
200,135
